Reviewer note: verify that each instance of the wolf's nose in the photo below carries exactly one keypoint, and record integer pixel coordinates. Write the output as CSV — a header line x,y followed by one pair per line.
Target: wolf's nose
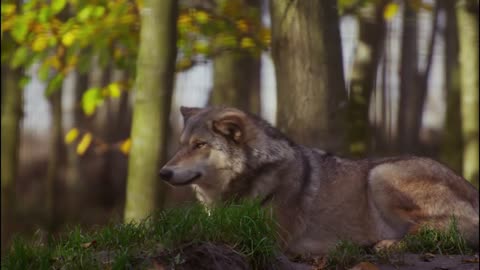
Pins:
x,y
165,174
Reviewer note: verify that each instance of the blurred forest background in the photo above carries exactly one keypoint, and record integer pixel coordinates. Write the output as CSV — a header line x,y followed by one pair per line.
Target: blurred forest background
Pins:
x,y
91,91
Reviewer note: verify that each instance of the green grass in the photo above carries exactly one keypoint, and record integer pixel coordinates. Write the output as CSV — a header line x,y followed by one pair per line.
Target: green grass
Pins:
x,y
246,227
345,255
446,242
427,240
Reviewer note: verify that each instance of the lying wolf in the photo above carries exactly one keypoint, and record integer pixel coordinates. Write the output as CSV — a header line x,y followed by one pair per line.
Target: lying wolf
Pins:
x,y
317,198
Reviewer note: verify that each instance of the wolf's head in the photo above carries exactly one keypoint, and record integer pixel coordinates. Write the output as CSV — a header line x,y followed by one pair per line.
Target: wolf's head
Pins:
x,y
218,145
210,146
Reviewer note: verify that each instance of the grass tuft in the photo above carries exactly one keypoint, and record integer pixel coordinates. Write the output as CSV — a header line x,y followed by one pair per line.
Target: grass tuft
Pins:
x,y
345,254
446,242
246,227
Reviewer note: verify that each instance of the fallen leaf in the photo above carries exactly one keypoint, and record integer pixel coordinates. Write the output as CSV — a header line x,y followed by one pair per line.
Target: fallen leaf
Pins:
x,y
427,257
320,263
157,266
365,266
89,244
471,260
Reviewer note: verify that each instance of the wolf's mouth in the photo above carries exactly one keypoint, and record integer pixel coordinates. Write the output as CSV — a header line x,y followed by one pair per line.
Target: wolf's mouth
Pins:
x,y
189,181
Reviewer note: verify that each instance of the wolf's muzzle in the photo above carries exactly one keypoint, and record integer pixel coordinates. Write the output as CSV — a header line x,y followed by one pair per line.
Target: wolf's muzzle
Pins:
x,y
178,178
165,174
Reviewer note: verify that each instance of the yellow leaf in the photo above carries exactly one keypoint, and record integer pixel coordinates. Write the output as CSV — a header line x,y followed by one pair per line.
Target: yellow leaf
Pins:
x,y
184,63
39,43
390,10
114,90
202,16
72,60
139,3
184,20
54,62
246,43
68,38
72,134
242,25
117,53
200,46
265,36
8,9
84,144
125,146
8,24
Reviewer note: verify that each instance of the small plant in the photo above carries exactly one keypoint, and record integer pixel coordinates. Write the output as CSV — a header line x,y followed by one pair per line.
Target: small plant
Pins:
x,y
446,242
345,255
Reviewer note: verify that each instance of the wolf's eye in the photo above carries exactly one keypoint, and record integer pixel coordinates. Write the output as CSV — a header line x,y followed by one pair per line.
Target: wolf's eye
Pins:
x,y
199,145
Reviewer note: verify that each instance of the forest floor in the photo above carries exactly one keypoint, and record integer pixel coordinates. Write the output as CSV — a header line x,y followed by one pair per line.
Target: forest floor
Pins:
x,y
236,236
408,261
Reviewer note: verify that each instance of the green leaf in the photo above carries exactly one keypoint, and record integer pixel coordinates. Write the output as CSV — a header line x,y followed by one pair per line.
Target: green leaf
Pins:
x,y
58,5
85,13
19,57
104,56
114,90
44,14
24,81
54,84
20,30
84,61
91,99
44,72
98,11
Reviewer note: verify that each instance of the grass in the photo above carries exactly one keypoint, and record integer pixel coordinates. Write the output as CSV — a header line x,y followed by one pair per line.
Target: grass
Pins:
x,y
246,227
345,255
427,240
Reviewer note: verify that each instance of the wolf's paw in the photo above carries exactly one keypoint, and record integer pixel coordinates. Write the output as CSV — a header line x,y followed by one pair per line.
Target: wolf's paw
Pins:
x,y
386,244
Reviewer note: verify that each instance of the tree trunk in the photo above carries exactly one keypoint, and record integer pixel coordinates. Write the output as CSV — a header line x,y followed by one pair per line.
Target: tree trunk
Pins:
x,y
55,160
414,82
367,57
236,81
11,116
308,66
452,138
236,75
467,16
409,119
154,83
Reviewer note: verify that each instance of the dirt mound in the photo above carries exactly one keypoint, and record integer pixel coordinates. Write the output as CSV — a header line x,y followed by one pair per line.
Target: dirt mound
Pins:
x,y
207,256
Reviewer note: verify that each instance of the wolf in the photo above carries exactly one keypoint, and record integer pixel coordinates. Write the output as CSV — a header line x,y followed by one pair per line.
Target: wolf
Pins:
x,y
317,198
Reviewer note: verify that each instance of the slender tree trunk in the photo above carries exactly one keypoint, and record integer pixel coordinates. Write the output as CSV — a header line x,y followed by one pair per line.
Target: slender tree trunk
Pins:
x,y
308,66
11,116
55,160
369,49
154,83
236,81
408,116
467,16
452,138
414,82
236,76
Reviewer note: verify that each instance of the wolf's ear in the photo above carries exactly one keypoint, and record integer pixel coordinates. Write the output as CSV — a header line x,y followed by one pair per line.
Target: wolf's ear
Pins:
x,y
231,125
187,112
